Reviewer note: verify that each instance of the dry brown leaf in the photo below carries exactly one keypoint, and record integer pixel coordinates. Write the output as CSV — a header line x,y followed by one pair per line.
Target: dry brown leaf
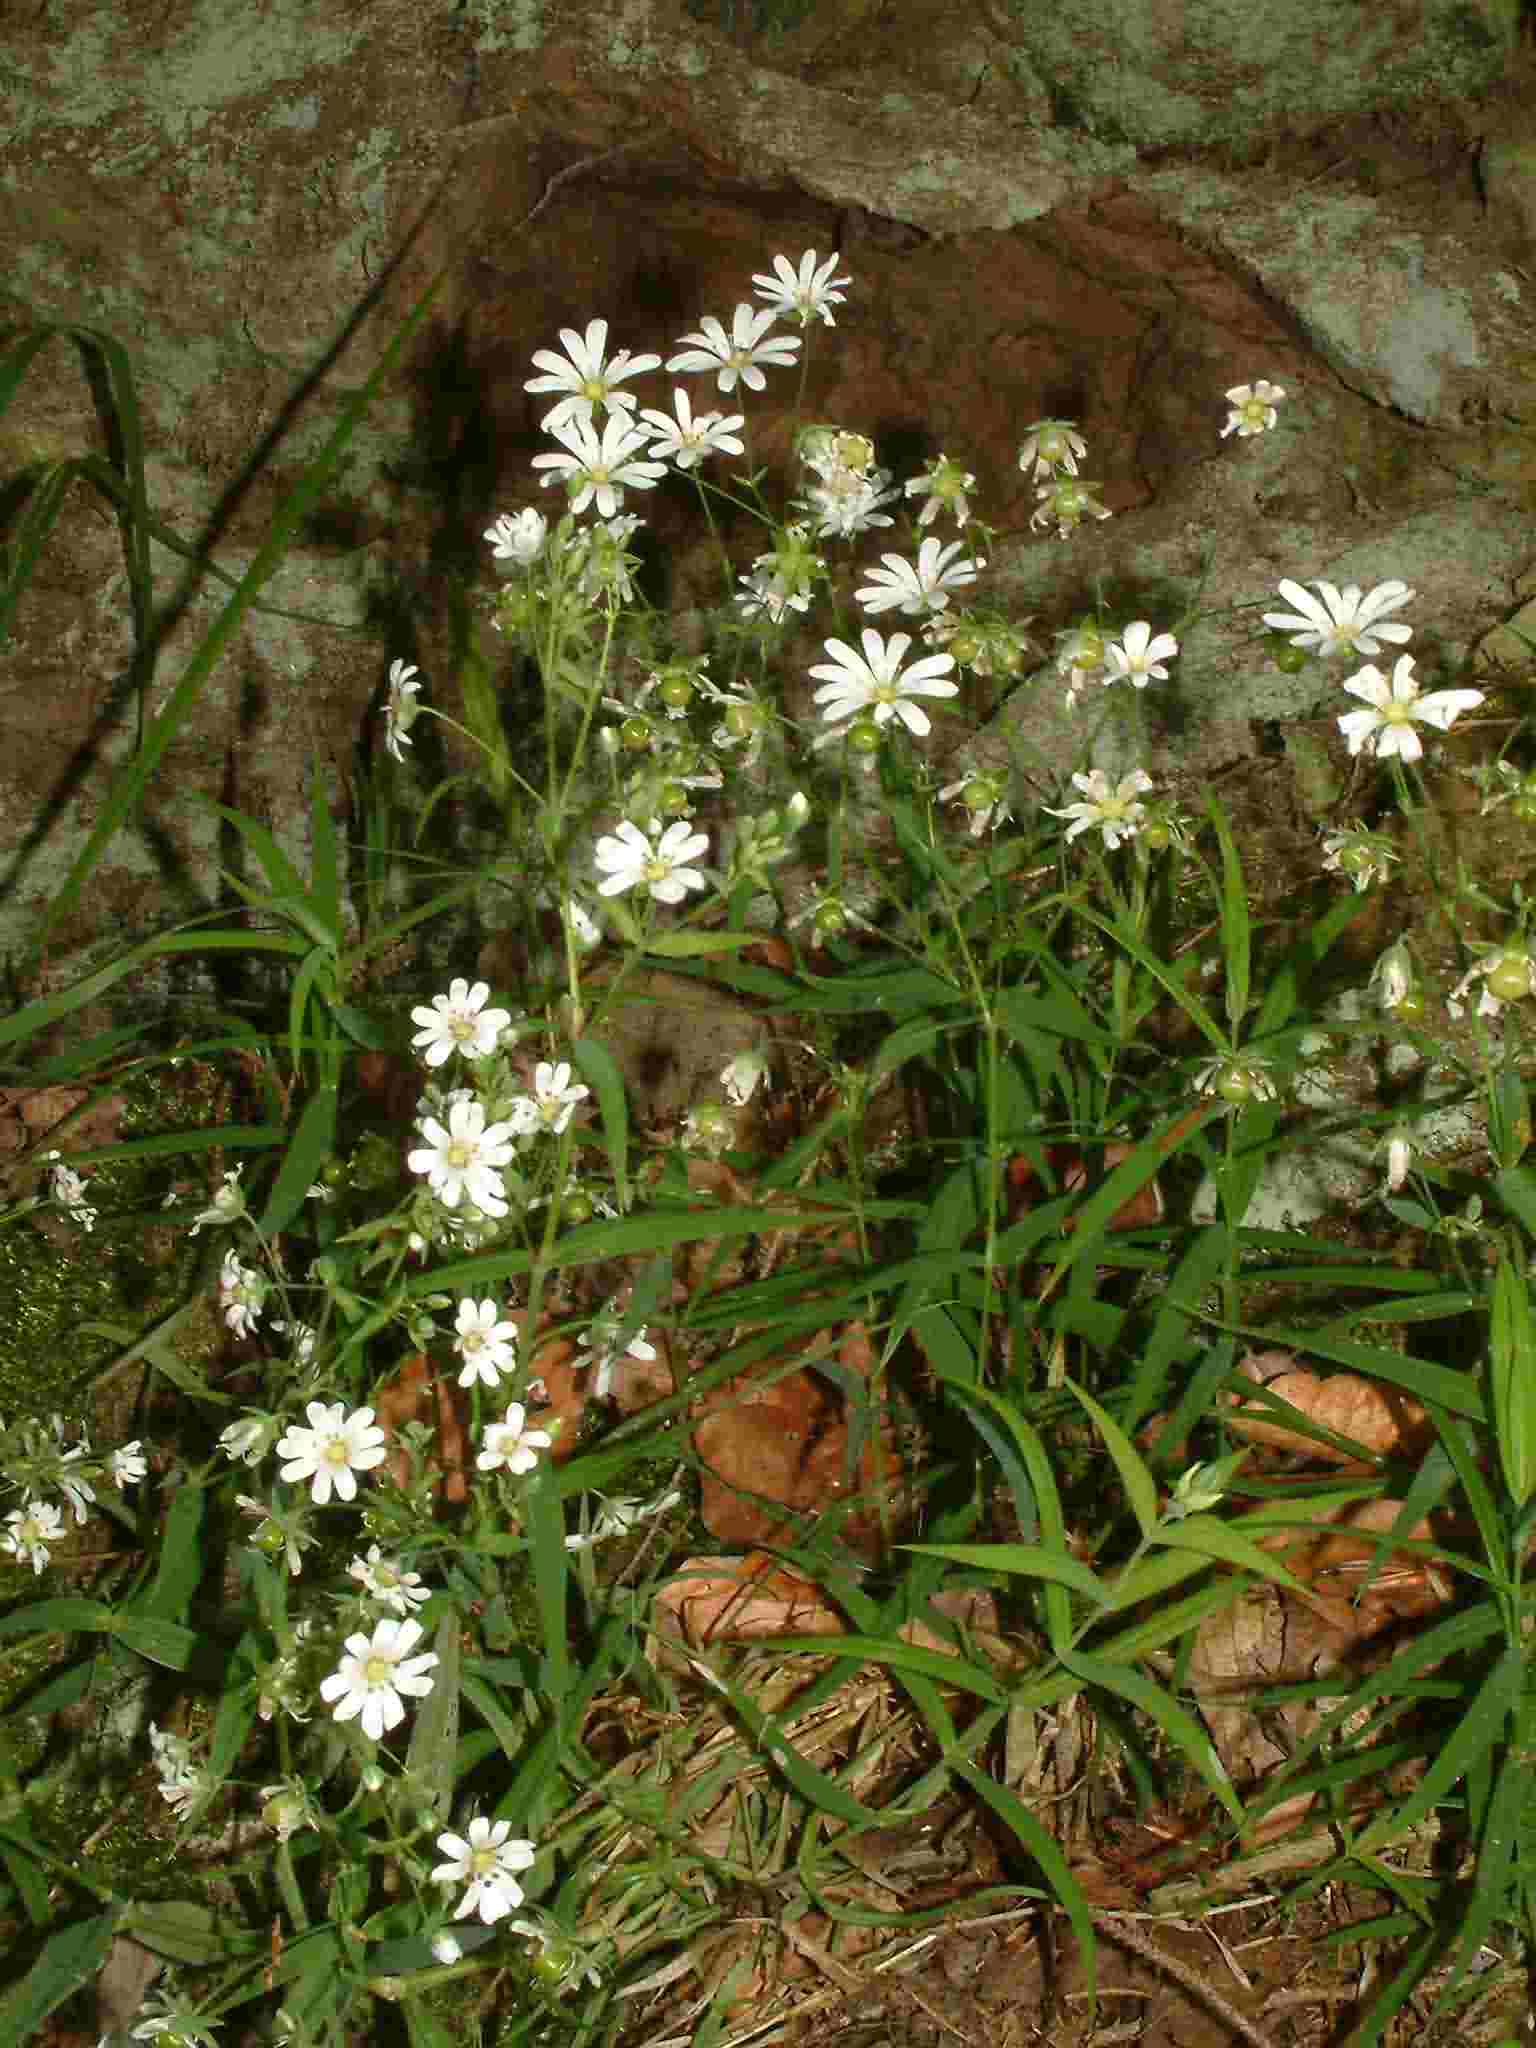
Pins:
x,y
742,1599
1381,1419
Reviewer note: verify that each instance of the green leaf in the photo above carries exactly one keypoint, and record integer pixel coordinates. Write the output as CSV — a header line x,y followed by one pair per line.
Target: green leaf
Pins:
x,y
1512,1379
1045,1851
162,1642
69,1959
1176,1722
900,1656
1482,1725
598,1066
1209,1537
180,1566
697,945
311,1145
435,1735
1022,1560
1140,1486
56,1617
1236,928
183,1929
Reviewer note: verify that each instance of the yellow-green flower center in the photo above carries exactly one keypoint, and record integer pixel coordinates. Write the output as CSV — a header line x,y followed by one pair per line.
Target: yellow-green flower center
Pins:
x,y
378,1670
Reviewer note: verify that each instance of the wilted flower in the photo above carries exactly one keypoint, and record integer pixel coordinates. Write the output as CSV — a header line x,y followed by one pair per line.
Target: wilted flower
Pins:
x,y
604,1351
1238,1079
1392,976
1068,503
227,1205
128,1464
1052,445
1507,973
68,1191
382,1579
944,487
985,798
1365,857
400,707
741,1077
1399,1149
242,1292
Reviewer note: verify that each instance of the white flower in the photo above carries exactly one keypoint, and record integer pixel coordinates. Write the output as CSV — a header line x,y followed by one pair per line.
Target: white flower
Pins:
x,y
1344,621
447,1948
1116,811
740,1077
279,1530
248,1439
925,588
846,501
227,1205
382,1579
69,1192
1068,503
1393,709
242,1291
1399,1158
1253,408
518,536
686,440
1365,857
1516,977
944,485
810,291
400,707
459,1022
511,1443
552,1103
738,353
772,595
489,1864
1237,1080
462,1159
180,1779
628,859
1052,445
367,1684
585,929
586,379
487,1345
875,682
601,469
128,1464
334,1448
618,1517
30,1530
1392,976
603,1352
1136,657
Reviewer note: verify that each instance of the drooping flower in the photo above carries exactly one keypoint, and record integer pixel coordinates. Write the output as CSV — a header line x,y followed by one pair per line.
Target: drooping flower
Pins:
x,y
368,1684
1052,445
382,1579
128,1464
586,379
1387,725
400,707
985,798
845,501
1114,809
601,469
618,1516
1068,501
180,1779
944,485
1253,408
249,1439
603,1350
518,536
1399,1150
742,1076
1082,657
489,1863
333,1450
629,859
680,438
1342,621
68,1190
875,681
242,1293
30,1530
808,293
923,587
1508,973
551,1105
1136,657
512,1443
462,1159
1392,977
458,1022
739,353
1238,1079
485,1342
227,1205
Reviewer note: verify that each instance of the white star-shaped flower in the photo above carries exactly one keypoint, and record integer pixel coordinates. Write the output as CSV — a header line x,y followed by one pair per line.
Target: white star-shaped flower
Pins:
x,y
685,440
30,1530
1135,658
629,860
1343,621
923,587
551,1105
458,1022
806,292
1114,809
1393,710
512,1443
367,1685
739,353
332,1451
463,1158
400,707
489,1864
486,1343
875,681
586,379
600,469
382,1579
1253,408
